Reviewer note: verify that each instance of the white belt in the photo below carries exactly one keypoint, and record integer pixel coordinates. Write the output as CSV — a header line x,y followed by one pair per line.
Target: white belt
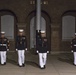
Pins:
x,y
3,45
74,45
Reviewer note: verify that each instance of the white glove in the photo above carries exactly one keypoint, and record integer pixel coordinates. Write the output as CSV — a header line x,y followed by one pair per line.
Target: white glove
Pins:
x,y
47,51
7,49
16,49
72,51
37,51
26,49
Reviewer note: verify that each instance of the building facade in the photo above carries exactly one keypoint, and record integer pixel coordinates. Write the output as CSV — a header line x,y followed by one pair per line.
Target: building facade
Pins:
x,y
59,17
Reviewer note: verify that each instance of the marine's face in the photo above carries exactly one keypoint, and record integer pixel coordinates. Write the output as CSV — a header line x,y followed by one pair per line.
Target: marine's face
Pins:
x,y
2,35
43,35
20,33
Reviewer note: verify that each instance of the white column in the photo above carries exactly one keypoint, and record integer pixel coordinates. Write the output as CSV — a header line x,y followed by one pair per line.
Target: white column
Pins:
x,y
38,15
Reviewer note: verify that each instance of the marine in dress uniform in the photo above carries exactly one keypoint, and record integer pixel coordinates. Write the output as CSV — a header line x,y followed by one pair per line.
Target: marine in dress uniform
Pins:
x,y
73,48
42,50
21,46
4,47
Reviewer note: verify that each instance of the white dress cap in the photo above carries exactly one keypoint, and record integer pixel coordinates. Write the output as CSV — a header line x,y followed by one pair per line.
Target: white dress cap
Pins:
x,y
2,32
21,30
42,31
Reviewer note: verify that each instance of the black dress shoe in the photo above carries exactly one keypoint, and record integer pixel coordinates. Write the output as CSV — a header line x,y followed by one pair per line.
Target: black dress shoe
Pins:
x,y
74,64
20,66
5,63
23,65
41,67
44,66
2,64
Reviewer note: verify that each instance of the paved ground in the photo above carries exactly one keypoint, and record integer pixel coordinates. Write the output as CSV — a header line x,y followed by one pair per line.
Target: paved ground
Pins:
x,y
60,64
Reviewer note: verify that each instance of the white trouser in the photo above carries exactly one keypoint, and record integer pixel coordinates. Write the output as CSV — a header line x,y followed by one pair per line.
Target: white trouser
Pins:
x,y
42,59
75,58
3,56
21,57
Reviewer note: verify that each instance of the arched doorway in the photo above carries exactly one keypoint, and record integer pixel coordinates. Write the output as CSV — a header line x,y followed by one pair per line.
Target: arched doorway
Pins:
x,y
68,29
33,30
8,22
31,24
32,33
7,25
